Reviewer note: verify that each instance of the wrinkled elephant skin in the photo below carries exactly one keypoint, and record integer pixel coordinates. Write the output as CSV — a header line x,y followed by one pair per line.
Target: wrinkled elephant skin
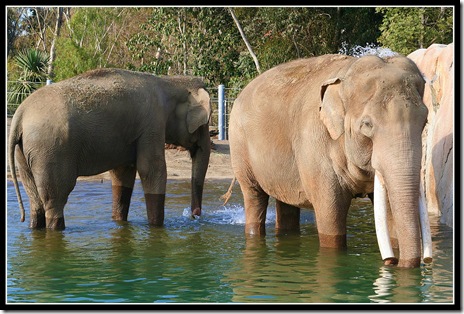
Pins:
x,y
312,133
107,120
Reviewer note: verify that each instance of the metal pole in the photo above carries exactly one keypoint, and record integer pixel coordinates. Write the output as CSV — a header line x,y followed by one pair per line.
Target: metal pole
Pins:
x,y
221,113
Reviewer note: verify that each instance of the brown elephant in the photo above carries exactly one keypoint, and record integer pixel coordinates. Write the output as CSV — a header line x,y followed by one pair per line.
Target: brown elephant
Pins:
x,y
108,119
314,133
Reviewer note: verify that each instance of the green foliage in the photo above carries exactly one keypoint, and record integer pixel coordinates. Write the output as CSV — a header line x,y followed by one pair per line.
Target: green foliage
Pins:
x,y
32,64
282,34
72,59
89,41
190,41
407,29
204,41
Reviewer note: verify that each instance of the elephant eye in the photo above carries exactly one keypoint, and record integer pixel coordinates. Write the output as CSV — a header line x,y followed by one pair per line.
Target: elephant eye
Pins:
x,y
366,123
367,127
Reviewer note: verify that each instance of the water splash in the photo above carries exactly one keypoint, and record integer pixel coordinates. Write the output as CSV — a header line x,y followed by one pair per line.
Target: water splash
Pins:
x,y
229,215
368,50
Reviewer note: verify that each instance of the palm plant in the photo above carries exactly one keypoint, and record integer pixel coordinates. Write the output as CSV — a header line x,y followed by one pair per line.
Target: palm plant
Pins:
x,y
33,64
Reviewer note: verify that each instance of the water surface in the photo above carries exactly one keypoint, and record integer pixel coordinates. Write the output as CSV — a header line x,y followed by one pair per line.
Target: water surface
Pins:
x,y
207,260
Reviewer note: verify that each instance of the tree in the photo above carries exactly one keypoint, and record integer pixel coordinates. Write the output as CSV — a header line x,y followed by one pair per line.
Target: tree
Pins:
x,y
282,34
14,27
59,17
190,41
29,28
33,64
94,38
245,40
407,29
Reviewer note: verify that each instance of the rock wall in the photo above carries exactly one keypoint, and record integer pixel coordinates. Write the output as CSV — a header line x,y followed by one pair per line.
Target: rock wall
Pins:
x,y
437,65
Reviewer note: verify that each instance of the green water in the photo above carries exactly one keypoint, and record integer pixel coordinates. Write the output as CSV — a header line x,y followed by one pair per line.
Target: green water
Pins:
x,y
208,260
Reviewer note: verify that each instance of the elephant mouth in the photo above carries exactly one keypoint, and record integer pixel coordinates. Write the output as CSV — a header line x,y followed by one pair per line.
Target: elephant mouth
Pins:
x,y
381,206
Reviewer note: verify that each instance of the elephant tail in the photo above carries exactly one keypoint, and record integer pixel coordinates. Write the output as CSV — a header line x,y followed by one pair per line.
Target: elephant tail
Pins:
x,y
228,194
14,139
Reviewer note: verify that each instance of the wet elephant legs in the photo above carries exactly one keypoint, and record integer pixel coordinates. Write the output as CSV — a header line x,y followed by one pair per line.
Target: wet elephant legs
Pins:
x,y
287,217
54,194
152,171
155,209
151,165
331,214
123,179
255,201
37,210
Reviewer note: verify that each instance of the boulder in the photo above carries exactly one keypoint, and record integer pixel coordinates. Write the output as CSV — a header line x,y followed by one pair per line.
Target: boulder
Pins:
x,y
437,66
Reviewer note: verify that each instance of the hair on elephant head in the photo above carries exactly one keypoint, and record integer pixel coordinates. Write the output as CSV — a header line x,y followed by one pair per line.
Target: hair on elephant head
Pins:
x,y
134,114
332,123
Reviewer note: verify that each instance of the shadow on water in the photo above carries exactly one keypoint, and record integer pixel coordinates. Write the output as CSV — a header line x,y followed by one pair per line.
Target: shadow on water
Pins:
x,y
207,260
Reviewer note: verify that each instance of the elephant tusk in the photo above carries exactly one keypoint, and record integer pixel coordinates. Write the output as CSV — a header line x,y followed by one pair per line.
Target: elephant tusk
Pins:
x,y
380,217
425,228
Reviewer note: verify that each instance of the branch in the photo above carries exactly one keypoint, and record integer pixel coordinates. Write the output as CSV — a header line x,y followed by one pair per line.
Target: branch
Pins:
x,y
59,16
255,59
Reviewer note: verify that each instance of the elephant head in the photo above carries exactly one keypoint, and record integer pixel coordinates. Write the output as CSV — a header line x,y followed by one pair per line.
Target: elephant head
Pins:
x,y
376,105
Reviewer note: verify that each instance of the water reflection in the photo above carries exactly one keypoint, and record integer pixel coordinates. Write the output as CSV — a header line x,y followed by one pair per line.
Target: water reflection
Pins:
x,y
270,270
398,285
395,285
208,259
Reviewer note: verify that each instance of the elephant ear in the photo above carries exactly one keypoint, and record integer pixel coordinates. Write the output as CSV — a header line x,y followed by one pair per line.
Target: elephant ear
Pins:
x,y
332,112
199,110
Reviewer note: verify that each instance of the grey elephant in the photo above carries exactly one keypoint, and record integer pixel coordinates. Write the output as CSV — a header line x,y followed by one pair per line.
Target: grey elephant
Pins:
x,y
108,119
317,132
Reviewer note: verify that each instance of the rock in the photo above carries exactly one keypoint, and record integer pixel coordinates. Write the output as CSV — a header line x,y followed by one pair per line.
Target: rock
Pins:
x,y
437,65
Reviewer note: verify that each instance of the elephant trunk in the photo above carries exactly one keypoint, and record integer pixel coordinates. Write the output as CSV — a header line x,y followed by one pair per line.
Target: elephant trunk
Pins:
x,y
403,197
200,160
398,188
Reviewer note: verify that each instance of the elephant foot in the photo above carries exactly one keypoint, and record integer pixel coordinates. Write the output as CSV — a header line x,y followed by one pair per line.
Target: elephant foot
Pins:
x,y
390,261
255,229
37,221
119,215
155,209
121,201
332,241
55,223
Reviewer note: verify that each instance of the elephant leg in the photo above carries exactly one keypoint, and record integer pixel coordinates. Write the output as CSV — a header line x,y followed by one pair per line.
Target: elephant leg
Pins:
x,y
287,217
331,210
151,165
37,211
54,192
255,201
155,209
123,179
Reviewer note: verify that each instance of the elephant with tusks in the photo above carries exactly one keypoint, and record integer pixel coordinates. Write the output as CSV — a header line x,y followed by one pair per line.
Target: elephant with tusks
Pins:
x,y
316,132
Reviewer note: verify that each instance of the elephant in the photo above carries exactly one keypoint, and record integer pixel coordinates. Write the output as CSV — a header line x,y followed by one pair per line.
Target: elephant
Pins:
x,y
108,120
317,132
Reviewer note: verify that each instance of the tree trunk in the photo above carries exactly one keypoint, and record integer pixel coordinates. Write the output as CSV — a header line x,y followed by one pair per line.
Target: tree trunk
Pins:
x,y
52,47
255,59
